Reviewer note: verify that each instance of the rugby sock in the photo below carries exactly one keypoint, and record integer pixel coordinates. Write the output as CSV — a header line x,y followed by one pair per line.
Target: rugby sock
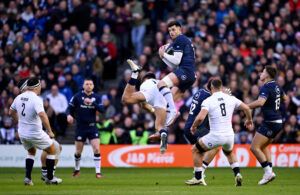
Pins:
x,y
235,168
50,161
265,165
29,164
77,161
204,166
166,92
163,131
198,172
271,166
132,81
54,168
97,160
44,171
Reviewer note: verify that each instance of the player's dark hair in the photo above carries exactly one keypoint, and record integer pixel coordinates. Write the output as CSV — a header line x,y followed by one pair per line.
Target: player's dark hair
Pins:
x,y
272,72
22,84
216,83
209,84
149,75
33,82
88,79
174,23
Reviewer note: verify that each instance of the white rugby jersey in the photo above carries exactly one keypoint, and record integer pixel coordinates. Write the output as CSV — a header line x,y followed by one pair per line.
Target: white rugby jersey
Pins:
x,y
28,105
220,108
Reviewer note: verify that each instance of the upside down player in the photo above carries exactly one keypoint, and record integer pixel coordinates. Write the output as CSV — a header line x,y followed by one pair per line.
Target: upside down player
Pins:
x,y
151,100
219,107
269,100
84,106
202,130
22,85
180,55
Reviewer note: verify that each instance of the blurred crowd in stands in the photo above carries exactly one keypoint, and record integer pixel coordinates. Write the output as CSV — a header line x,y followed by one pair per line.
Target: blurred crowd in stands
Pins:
x,y
64,41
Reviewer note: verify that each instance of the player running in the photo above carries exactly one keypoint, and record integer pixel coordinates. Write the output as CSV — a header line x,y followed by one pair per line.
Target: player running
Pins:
x,y
84,106
269,100
28,110
202,130
22,85
219,107
151,100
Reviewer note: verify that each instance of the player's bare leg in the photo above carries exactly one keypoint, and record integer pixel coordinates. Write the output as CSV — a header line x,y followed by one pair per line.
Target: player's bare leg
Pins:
x,y
50,162
234,166
43,162
79,147
258,147
198,151
208,157
29,164
160,118
95,143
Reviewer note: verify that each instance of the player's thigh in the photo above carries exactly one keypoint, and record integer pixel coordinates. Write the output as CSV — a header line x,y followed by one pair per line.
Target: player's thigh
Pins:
x,y
42,141
269,129
227,143
136,97
210,141
169,80
259,141
160,117
209,155
95,143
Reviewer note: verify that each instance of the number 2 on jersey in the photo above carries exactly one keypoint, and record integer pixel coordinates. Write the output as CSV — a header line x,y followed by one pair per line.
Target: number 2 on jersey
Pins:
x,y
23,106
223,110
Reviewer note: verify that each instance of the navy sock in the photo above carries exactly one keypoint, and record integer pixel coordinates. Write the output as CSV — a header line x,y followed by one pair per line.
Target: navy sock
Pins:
x,y
198,175
264,164
29,165
163,131
270,164
50,166
236,170
132,81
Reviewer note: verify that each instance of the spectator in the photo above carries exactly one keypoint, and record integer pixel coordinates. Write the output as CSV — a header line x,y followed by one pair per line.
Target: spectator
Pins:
x,y
59,104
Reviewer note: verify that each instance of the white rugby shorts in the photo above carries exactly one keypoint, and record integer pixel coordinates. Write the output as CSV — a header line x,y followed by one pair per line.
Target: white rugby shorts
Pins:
x,y
152,95
42,141
215,140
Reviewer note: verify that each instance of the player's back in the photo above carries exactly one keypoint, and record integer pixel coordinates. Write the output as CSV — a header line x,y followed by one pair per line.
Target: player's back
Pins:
x,y
273,94
220,108
28,105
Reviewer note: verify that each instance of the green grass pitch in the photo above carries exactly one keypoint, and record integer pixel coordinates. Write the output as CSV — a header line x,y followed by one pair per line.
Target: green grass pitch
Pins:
x,y
151,181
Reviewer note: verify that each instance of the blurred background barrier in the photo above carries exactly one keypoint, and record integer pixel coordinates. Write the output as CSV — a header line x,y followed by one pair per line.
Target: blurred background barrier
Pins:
x,y
283,155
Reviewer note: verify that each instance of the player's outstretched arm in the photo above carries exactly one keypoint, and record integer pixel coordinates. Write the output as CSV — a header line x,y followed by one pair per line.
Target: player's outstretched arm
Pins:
x,y
46,123
257,103
247,111
199,119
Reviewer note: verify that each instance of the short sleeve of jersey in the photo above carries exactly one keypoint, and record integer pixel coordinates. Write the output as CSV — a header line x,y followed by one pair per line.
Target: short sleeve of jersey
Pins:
x,y
264,92
178,45
13,105
205,105
73,101
237,102
38,105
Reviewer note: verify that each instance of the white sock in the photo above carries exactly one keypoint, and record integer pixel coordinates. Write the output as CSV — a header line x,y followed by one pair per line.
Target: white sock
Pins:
x,y
204,167
268,170
197,169
167,94
134,75
97,160
77,163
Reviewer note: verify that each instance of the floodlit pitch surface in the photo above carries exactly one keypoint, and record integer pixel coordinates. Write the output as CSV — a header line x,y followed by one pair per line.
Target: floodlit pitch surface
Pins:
x,y
151,181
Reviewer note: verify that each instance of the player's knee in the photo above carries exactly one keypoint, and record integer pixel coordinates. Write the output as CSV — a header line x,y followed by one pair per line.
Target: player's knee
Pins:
x,y
227,153
253,148
166,81
200,149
